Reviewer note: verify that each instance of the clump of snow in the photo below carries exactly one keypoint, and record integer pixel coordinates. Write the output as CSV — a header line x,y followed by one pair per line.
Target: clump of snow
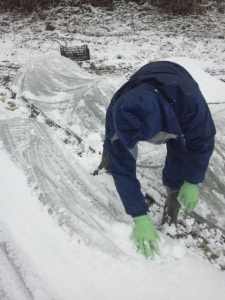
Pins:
x,y
189,221
5,94
93,141
170,229
173,250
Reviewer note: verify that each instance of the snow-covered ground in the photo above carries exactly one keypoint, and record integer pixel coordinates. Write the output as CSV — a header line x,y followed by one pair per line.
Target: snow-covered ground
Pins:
x,y
63,232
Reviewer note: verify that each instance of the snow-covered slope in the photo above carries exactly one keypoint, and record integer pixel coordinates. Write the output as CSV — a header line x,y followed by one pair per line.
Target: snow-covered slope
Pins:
x,y
63,232
90,255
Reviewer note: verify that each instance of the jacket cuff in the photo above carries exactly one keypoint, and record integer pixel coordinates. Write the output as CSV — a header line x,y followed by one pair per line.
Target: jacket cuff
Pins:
x,y
139,214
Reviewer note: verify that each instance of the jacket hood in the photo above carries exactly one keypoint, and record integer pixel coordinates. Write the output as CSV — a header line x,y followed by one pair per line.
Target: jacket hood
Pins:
x,y
140,113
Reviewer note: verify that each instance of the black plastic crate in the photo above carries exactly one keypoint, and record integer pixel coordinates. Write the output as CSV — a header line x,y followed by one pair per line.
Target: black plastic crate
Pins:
x,y
76,53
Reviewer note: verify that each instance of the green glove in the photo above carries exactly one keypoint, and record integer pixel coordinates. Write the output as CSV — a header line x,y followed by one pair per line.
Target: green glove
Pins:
x,y
188,195
146,236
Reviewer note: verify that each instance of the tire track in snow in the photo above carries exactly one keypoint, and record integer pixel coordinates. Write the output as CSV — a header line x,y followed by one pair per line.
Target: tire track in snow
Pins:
x,y
17,271
11,277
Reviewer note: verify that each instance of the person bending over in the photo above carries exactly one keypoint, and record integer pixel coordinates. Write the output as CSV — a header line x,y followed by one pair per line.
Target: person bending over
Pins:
x,y
160,102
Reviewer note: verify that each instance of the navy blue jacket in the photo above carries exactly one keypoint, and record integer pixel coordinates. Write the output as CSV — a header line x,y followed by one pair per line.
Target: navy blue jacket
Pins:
x,y
161,96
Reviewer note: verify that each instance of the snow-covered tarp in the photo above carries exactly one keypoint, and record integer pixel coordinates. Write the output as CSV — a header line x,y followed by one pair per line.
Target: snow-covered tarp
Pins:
x,y
77,100
57,85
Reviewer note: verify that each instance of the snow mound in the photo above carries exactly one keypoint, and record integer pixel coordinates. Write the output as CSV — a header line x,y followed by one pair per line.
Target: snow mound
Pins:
x,y
212,88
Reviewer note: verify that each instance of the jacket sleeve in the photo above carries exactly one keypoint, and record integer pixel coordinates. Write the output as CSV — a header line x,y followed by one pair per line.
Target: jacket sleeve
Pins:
x,y
199,142
122,166
198,131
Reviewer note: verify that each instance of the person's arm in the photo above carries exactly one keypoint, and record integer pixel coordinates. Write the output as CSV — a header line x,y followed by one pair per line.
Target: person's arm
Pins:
x,y
186,166
199,144
199,134
122,166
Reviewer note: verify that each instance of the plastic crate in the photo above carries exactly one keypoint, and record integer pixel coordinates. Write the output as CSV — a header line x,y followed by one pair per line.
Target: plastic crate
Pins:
x,y
76,53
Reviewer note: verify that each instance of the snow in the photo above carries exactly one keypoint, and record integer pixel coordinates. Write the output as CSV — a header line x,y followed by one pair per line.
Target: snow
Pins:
x,y
209,85
171,229
63,232
55,265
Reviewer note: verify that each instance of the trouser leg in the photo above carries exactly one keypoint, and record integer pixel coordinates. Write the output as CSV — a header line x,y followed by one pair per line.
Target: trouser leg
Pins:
x,y
104,161
173,172
171,207
173,176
